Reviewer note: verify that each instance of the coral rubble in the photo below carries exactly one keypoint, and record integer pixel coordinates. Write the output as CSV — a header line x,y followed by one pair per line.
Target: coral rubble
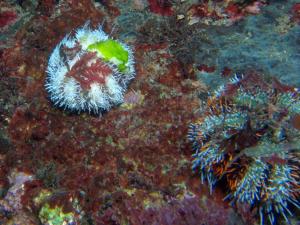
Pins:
x,y
249,138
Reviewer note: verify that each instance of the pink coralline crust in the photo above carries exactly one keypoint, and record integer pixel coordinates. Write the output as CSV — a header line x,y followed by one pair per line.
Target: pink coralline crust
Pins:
x,y
7,17
90,69
254,8
12,200
189,209
133,97
163,209
162,7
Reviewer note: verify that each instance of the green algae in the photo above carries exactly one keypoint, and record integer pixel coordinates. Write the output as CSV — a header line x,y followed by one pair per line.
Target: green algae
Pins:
x,y
54,216
111,51
44,194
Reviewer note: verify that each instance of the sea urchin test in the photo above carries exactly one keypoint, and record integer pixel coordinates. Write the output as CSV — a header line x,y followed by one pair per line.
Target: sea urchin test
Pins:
x,y
89,71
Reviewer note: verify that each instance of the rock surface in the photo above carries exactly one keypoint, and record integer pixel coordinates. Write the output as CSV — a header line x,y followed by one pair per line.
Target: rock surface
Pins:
x,y
132,165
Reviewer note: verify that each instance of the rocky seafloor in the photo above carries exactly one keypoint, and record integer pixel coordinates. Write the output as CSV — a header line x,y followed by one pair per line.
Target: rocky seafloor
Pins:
x,y
131,165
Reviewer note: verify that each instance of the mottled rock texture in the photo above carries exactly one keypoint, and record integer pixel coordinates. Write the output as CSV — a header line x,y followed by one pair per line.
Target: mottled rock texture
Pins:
x,y
132,165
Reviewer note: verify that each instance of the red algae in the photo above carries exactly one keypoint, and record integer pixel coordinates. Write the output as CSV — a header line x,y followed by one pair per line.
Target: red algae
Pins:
x,y
7,17
206,68
234,12
296,13
226,72
153,47
130,166
222,12
296,121
97,70
173,77
46,7
161,7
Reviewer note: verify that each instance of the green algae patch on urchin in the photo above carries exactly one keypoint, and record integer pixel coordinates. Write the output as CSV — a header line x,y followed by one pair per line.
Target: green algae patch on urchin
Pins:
x,y
111,51
89,72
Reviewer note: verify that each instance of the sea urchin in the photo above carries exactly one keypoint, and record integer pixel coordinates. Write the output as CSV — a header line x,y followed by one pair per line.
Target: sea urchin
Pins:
x,y
249,138
89,71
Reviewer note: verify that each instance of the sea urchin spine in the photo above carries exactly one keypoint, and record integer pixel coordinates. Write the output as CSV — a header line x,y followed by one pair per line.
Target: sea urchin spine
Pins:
x,y
88,71
249,137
